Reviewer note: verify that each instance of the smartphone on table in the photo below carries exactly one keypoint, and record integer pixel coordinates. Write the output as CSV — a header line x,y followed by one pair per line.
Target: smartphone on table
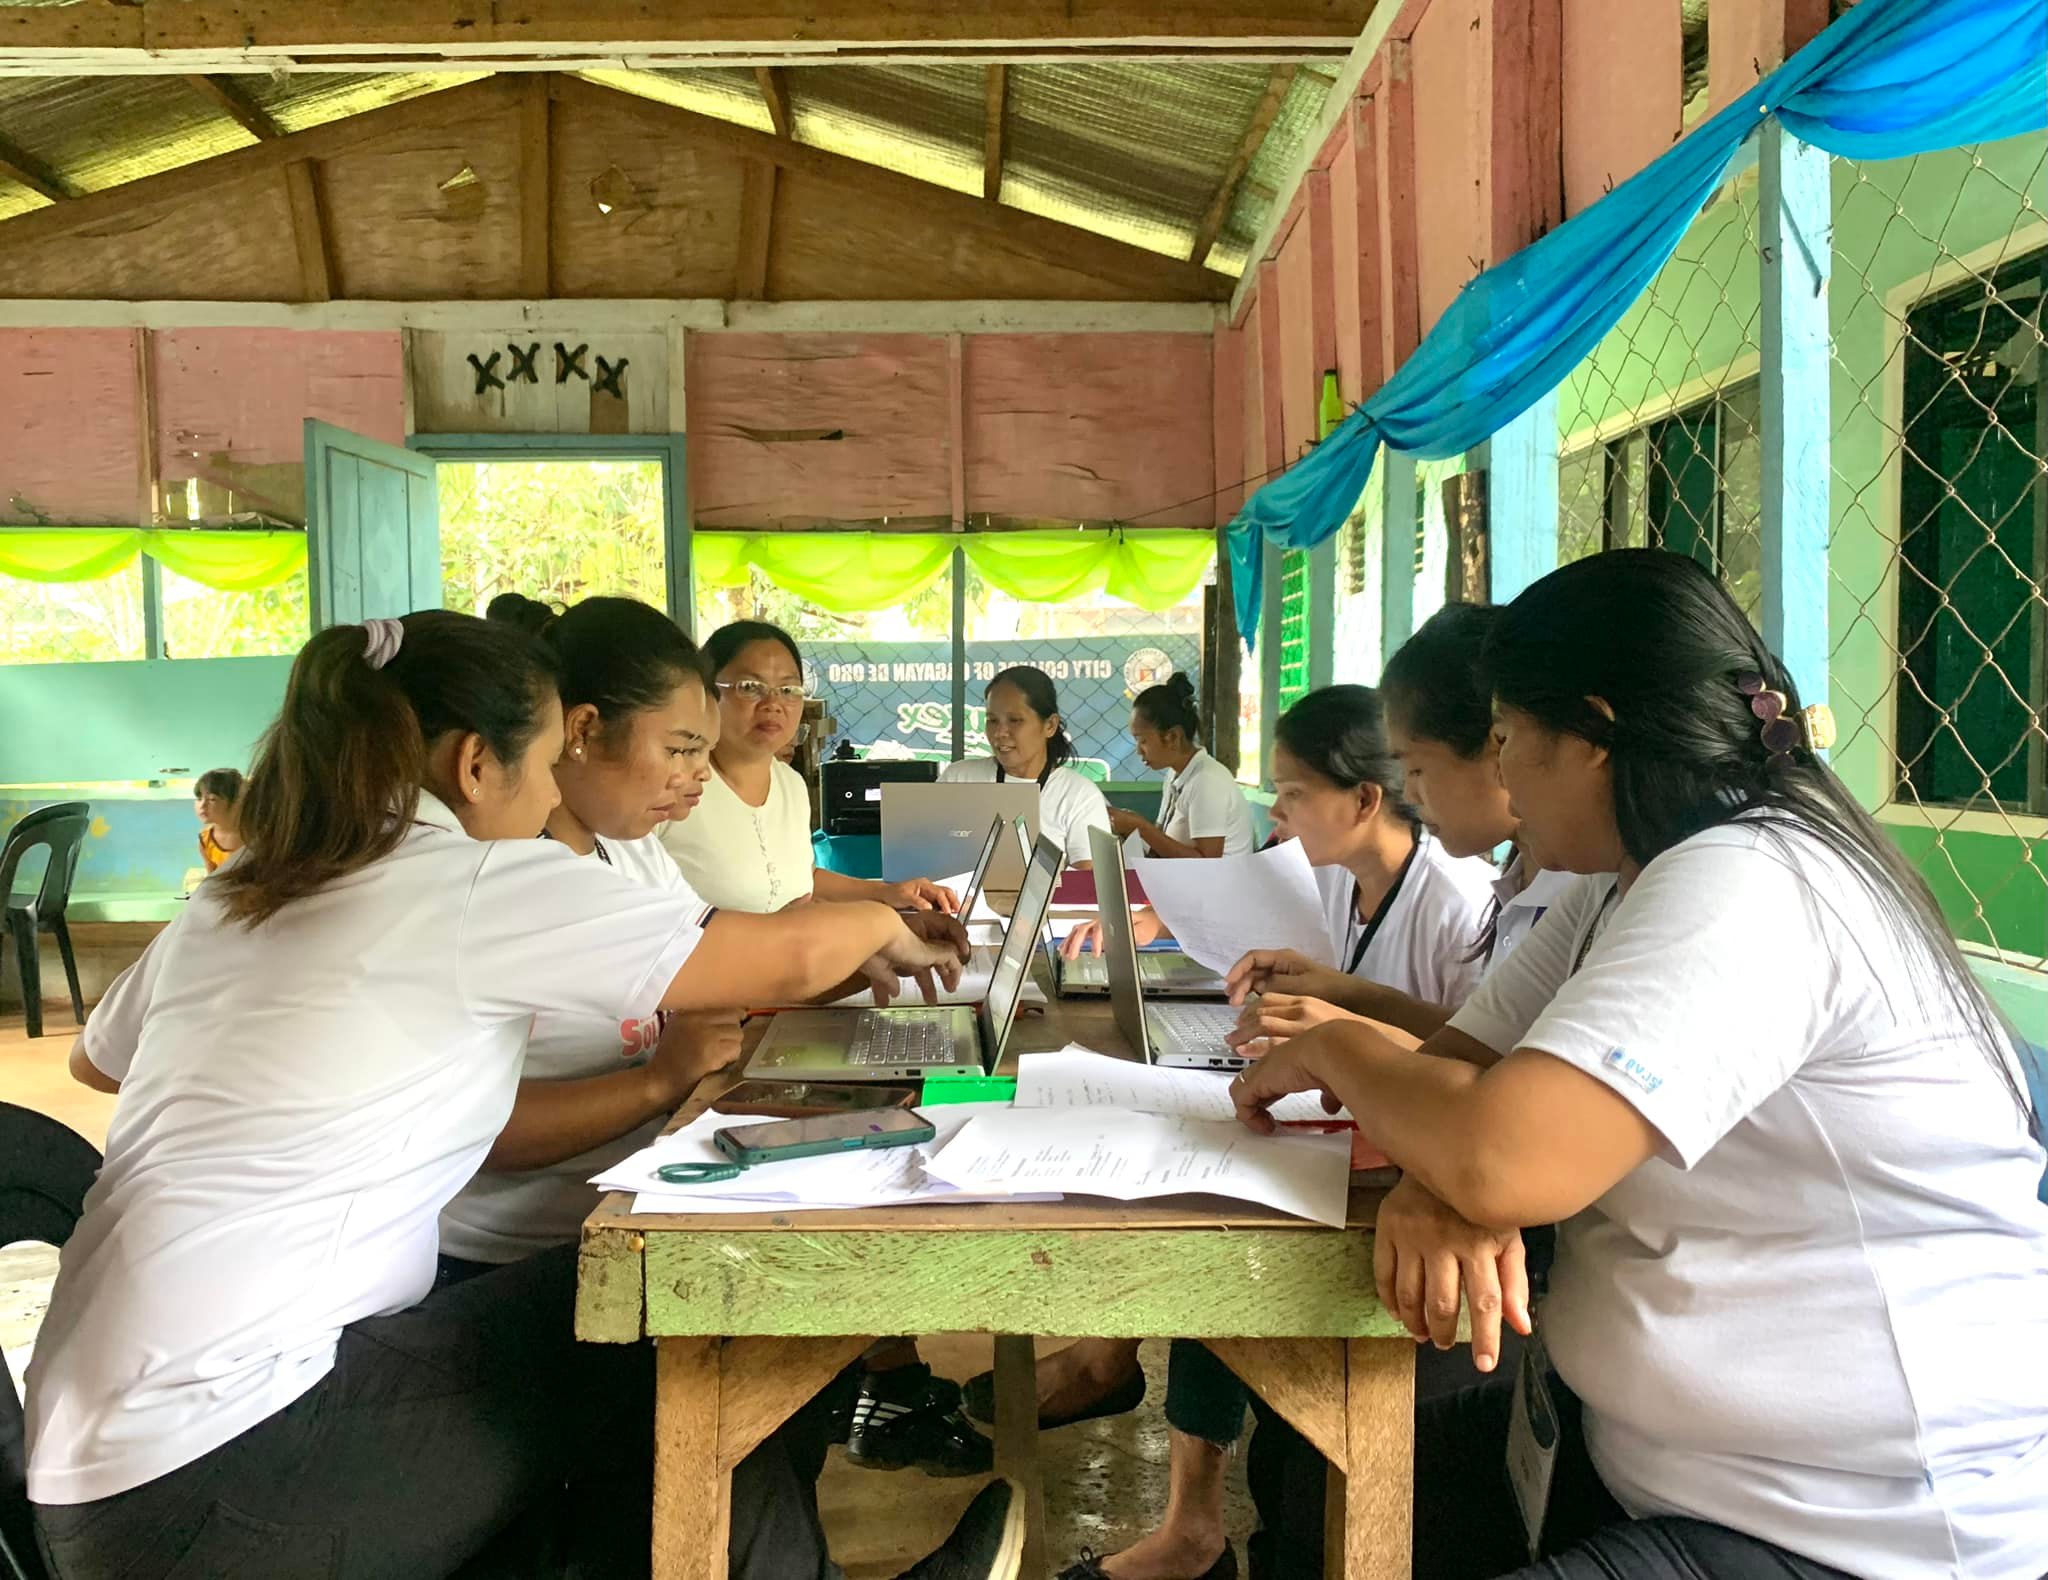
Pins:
x,y
814,1137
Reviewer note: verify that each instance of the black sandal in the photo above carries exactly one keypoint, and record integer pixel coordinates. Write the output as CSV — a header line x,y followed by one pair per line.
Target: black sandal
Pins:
x,y
979,1396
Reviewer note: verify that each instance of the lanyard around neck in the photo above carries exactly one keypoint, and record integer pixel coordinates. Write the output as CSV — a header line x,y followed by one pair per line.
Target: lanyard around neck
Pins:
x,y
1379,914
1044,774
596,844
1593,932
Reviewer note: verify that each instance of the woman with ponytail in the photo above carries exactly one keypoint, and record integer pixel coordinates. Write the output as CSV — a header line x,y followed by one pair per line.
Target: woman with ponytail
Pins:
x,y
1029,741
246,1367
1201,808
1797,1325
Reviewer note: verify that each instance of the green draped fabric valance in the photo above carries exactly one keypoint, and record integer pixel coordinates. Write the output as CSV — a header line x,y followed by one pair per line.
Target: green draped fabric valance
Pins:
x,y
232,561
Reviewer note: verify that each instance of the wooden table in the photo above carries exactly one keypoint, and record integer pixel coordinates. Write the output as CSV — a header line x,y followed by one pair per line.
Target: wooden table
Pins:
x,y
753,1314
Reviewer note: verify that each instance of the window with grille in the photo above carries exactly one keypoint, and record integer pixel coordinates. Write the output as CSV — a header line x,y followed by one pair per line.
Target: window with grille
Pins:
x,y
1294,628
1973,545
1690,481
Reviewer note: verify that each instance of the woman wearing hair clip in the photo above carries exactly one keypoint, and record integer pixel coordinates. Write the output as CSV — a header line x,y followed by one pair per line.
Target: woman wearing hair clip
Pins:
x,y
246,1367
1201,808
1797,1325
749,846
1029,741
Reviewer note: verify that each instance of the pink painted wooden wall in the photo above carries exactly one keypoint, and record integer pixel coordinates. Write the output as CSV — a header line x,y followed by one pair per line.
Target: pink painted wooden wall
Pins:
x,y
1089,427
241,395
1451,138
70,436
1617,120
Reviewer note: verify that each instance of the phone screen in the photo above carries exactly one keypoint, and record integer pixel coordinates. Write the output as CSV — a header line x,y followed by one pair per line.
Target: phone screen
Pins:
x,y
780,1134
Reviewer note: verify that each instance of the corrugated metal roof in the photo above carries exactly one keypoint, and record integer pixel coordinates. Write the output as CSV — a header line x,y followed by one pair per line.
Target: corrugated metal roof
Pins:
x,y
1128,150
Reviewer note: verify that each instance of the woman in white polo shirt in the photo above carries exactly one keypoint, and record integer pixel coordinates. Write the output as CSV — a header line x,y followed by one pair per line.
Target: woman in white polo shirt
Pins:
x,y
242,1369
748,848
1030,742
1797,1318
1440,725
1201,807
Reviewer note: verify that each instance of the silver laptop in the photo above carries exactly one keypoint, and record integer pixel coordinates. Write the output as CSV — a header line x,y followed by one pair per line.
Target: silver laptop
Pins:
x,y
915,1041
929,830
1166,973
1180,1036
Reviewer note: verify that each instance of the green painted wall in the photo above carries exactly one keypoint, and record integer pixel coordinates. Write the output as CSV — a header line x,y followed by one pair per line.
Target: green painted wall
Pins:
x,y
1899,226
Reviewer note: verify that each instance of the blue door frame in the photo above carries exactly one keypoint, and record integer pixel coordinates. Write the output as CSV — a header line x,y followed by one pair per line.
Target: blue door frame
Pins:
x,y
667,448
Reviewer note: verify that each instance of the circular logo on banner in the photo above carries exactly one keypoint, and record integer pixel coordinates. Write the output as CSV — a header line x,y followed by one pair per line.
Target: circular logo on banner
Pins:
x,y
1146,667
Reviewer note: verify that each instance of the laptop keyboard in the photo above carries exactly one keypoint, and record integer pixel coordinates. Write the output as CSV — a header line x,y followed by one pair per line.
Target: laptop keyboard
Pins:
x,y
1190,1028
903,1037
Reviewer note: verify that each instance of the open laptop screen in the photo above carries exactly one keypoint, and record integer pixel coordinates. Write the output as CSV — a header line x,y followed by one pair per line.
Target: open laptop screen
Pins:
x,y
973,892
1118,942
1020,942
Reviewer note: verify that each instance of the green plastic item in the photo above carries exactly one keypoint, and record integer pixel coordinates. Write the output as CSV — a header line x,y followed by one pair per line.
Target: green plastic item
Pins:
x,y
940,1090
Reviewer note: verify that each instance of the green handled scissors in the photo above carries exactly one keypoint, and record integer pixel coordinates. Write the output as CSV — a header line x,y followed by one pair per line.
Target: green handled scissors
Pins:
x,y
696,1173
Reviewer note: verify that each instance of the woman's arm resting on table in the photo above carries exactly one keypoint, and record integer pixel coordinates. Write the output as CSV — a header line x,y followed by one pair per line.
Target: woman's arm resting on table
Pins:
x,y
555,1120
798,953
86,1073
1530,1140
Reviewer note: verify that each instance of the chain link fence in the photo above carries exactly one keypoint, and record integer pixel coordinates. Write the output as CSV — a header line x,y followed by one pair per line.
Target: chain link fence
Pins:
x,y
1939,546
1659,430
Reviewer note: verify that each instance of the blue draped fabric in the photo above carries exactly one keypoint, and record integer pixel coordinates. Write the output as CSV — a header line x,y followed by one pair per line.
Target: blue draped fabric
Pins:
x,y
1889,79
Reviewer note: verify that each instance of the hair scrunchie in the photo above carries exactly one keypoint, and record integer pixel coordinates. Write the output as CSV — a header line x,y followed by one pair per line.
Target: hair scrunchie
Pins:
x,y
381,641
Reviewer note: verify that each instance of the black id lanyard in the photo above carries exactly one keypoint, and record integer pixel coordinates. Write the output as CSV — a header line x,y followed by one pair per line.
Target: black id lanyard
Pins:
x,y
1379,914
1002,777
594,840
1593,930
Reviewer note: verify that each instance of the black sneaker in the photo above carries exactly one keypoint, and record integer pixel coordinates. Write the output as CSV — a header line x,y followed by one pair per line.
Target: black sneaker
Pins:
x,y
987,1544
906,1417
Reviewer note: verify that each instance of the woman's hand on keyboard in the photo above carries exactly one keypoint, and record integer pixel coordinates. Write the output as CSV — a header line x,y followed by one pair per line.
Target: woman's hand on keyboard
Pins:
x,y
1271,1020
931,948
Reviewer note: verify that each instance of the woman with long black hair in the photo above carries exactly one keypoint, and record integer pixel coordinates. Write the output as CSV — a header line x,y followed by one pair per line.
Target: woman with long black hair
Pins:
x,y
1798,1319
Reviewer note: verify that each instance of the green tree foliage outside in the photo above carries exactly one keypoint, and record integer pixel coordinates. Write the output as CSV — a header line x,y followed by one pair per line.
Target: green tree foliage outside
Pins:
x,y
559,531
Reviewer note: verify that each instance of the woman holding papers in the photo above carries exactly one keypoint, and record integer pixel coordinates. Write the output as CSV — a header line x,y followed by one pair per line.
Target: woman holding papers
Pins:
x,y
1201,808
246,1367
749,846
1440,726
1797,1319
1030,742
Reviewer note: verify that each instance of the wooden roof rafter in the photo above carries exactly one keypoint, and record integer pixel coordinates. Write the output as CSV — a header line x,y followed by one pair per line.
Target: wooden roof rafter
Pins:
x,y
1263,115
234,100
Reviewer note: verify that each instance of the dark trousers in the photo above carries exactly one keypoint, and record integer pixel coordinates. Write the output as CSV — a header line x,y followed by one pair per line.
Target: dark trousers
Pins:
x,y
1466,1523
470,1436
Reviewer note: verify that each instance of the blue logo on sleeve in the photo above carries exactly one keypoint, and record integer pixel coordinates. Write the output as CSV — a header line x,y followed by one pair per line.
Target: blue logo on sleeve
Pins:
x,y
1632,1069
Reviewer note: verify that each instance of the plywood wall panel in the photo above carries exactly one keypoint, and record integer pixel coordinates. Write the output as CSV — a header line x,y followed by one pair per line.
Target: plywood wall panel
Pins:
x,y
793,430
70,433
673,228
1452,122
241,396
1090,428
1253,407
236,246
446,397
401,234
1300,378
1616,122
1346,266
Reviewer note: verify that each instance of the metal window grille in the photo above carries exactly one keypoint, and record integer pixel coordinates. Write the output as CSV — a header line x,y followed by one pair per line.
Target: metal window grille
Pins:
x,y
1940,523
1659,430
1294,628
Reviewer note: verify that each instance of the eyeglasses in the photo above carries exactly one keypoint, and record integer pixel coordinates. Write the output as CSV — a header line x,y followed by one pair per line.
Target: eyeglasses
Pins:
x,y
758,692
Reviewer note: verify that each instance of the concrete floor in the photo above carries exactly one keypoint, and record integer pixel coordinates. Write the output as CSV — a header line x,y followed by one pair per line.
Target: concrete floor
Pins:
x,y
1104,1481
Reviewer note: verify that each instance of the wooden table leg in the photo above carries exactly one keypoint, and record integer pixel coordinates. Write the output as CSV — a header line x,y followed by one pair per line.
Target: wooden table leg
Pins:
x,y
1370,1509
1017,1440
692,1513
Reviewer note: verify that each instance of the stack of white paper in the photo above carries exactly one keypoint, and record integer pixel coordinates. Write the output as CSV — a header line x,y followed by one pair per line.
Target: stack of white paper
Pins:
x,y
883,1177
1130,1156
1076,1077
1274,904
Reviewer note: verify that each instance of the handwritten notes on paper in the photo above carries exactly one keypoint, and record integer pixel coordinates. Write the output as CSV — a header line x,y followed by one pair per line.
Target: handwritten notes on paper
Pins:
x,y
1273,904
1130,1157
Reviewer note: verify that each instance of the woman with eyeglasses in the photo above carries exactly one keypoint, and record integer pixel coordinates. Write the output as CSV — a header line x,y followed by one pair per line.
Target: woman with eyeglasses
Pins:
x,y
748,846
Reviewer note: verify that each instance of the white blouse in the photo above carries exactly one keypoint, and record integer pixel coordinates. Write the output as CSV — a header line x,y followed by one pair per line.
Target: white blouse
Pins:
x,y
747,858
1069,804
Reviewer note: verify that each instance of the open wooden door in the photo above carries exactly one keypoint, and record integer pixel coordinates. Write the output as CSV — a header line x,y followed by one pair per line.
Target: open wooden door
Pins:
x,y
373,528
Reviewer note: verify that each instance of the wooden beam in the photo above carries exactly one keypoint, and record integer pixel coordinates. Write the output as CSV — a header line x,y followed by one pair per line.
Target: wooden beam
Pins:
x,y
757,230
1048,240
309,230
437,111
173,31
997,95
24,169
774,83
1401,274
1263,115
229,96
536,188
